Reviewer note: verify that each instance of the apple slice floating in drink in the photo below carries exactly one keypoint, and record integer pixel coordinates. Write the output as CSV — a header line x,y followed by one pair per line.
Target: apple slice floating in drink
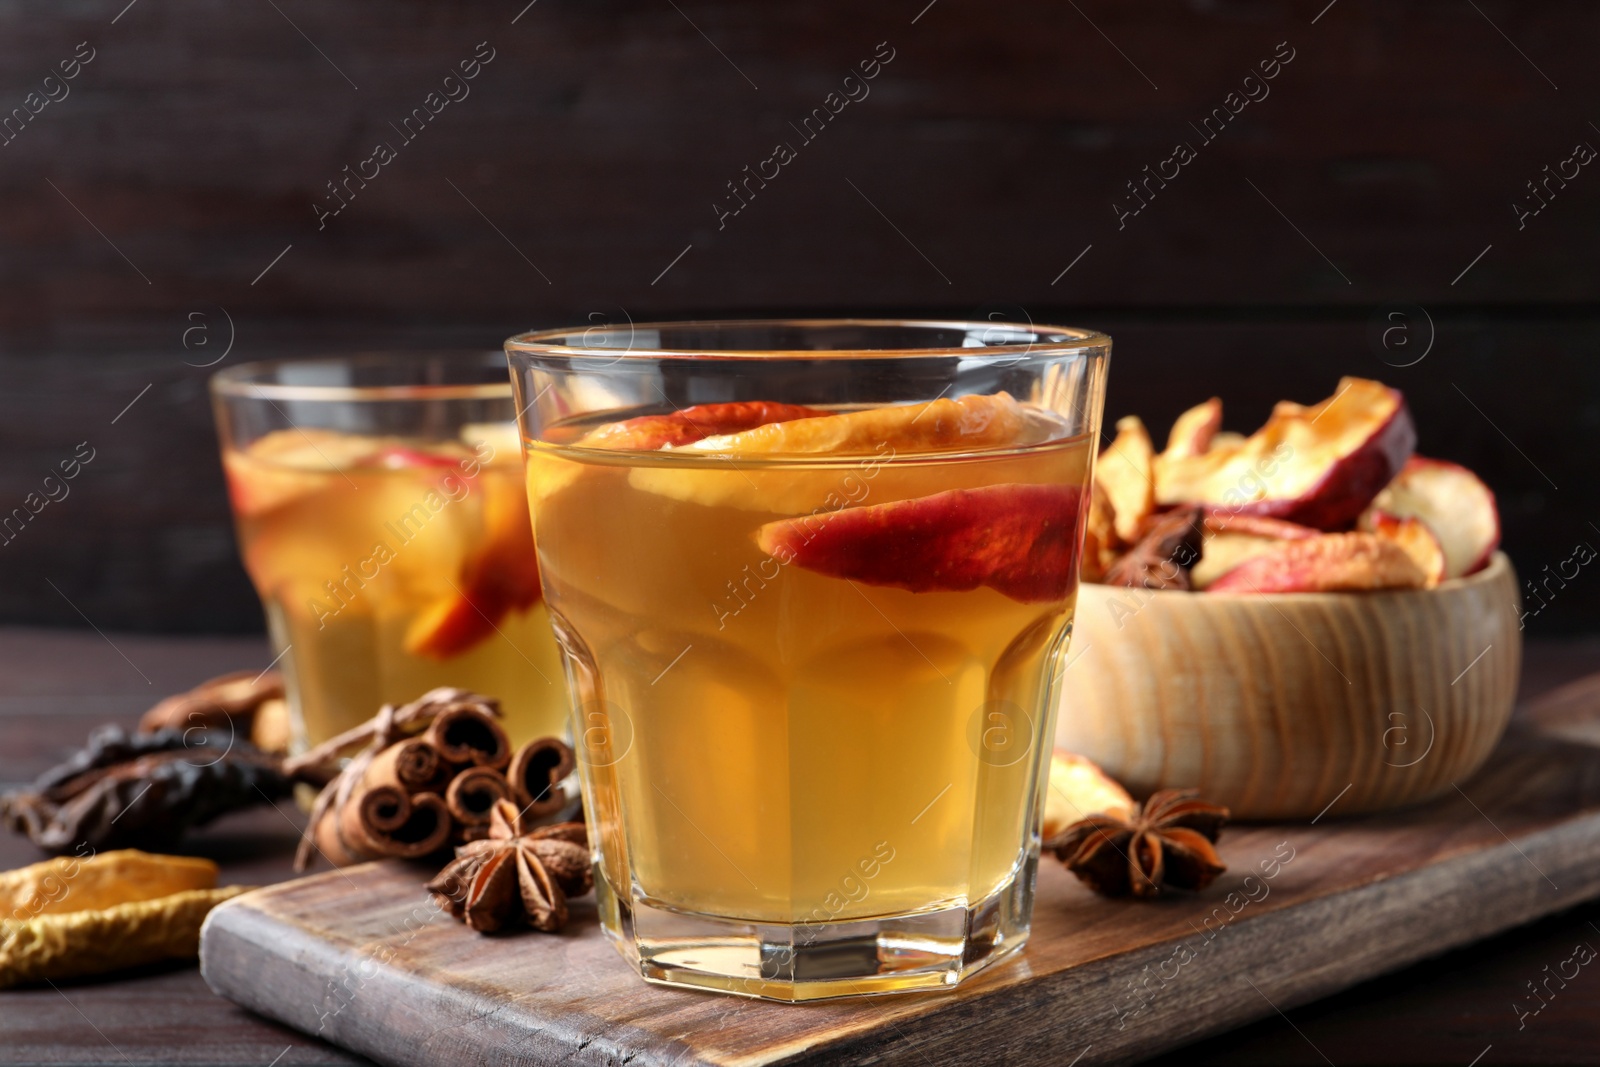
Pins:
x,y
284,465
689,425
968,423
942,425
549,474
502,577
1020,540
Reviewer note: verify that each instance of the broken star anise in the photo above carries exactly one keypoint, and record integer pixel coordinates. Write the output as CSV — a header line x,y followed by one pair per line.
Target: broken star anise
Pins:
x,y
1166,843
1168,546
510,877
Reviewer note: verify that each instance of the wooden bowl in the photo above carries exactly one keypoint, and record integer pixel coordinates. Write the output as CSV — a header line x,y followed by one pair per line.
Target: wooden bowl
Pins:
x,y
1283,705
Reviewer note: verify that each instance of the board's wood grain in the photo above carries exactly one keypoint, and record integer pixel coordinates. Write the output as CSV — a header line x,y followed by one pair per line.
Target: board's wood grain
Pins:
x,y
358,956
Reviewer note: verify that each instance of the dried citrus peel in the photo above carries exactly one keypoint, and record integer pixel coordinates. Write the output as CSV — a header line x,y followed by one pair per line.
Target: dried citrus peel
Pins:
x,y
65,918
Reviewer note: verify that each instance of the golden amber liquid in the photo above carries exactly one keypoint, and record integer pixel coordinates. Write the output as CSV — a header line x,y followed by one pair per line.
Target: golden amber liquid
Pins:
x,y
347,560
767,743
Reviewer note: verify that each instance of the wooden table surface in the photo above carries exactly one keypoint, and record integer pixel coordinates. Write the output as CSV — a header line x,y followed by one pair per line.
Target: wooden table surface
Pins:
x,y
55,686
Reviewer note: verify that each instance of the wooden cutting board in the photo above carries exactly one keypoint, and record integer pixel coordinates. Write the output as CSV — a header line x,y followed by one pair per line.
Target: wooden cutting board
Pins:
x,y
359,958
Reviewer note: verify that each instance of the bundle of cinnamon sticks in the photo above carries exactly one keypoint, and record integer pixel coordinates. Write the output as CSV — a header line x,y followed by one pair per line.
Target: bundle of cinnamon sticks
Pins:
x,y
427,776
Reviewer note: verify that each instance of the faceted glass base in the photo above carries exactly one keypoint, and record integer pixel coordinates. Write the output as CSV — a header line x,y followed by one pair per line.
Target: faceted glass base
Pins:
x,y
922,950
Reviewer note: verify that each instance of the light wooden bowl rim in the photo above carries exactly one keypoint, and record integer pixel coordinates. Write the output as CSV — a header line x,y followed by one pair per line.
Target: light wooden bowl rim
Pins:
x,y
1499,564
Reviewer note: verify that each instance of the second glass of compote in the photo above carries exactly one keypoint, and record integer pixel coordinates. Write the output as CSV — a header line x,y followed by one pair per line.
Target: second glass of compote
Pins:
x,y
813,582
381,514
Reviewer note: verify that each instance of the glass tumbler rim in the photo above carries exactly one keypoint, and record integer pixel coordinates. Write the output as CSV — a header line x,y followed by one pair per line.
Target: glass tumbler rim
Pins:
x,y
259,379
1019,339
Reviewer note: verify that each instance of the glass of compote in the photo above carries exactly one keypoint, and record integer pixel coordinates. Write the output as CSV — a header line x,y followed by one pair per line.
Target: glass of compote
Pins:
x,y
382,516
813,582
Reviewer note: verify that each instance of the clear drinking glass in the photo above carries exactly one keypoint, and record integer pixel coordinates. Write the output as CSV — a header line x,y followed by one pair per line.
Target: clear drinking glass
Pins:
x,y
381,514
813,582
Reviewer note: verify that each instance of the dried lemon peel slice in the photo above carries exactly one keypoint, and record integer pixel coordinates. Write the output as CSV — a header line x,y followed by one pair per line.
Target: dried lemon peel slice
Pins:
x,y
943,425
73,944
67,884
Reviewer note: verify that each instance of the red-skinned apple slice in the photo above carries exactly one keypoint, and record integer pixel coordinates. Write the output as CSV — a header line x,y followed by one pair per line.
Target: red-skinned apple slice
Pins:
x,y
285,465
962,424
548,475
1018,539
501,578
1221,520
1231,539
1100,542
1455,504
395,457
1318,466
1327,563
1193,431
1413,535
1124,471
650,432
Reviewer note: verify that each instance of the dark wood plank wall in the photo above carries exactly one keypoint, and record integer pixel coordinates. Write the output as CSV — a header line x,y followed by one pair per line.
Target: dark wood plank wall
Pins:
x,y
1377,172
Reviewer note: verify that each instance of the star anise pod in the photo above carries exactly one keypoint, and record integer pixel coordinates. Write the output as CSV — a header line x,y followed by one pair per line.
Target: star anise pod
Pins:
x,y
1166,843
510,877
1161,559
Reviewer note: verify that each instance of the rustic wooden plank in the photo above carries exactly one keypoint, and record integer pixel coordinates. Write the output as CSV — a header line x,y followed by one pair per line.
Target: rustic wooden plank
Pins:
x,y
1452,1006
357,955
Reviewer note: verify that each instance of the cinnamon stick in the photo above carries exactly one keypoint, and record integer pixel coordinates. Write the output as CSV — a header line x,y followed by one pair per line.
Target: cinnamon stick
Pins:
x,y
536,773
384,822
415,766
466,735
472,796
390,721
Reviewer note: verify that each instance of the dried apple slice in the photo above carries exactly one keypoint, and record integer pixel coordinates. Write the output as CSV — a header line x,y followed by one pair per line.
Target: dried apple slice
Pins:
x,y
1078,789
1326,563
1455,504
1222,552
284,465
1100,542
1124,470
1231,539
688,425
968,423
1222,520
1194,430
502,577
548,474
1413,535
1318,466
502,438
1018,539
943,425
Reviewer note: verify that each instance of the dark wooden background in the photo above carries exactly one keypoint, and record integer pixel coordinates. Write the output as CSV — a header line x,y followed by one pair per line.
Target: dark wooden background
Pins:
x,y
158,195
